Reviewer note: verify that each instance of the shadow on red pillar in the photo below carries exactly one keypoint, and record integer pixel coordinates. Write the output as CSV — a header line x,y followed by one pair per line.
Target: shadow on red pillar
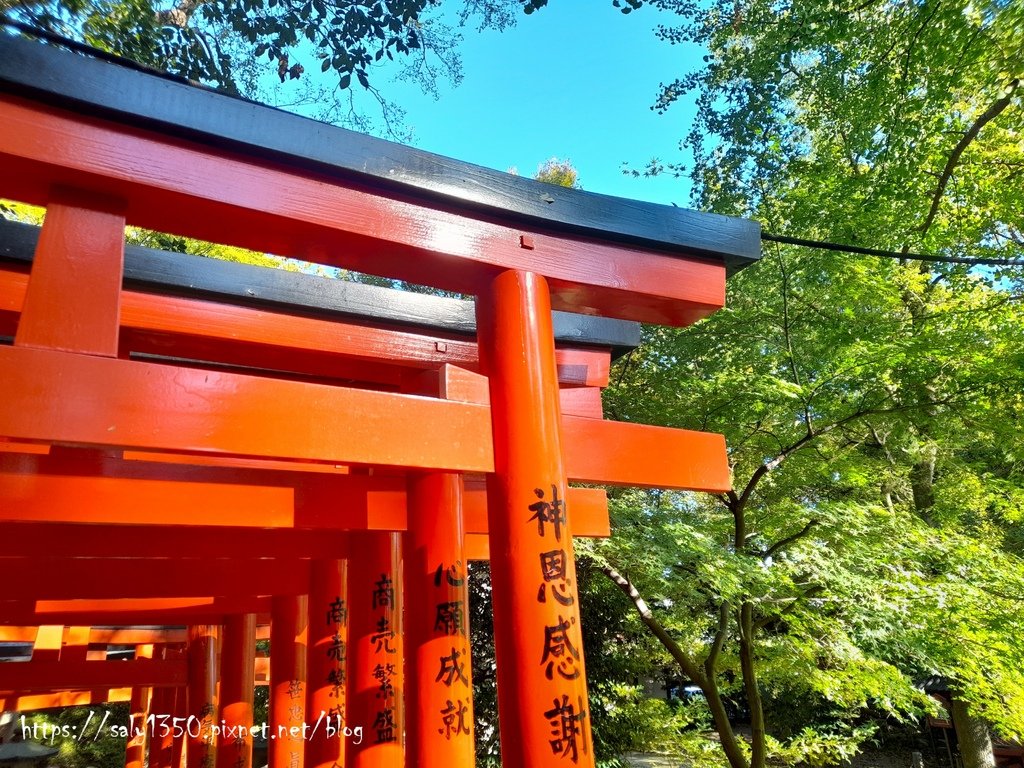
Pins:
x,y
543,708
288,637
375,651
326,661
439,693
237,663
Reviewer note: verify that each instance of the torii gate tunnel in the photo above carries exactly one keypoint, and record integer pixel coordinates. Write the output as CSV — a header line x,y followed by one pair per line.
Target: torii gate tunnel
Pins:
x,y
196,454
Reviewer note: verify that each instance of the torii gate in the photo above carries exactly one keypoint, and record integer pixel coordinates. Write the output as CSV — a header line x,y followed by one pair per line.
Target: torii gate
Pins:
x,y
171,455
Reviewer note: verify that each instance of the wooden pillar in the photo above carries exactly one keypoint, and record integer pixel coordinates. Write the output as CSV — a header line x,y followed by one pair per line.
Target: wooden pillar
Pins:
x,y
238,665
288,636
202,696
326,661
73,298
179,754
543,708
375,651
138,733
163,707
439,693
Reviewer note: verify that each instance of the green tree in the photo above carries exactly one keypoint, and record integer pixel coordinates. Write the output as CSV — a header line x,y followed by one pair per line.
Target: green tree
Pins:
x,y
559,172
817,590
873,530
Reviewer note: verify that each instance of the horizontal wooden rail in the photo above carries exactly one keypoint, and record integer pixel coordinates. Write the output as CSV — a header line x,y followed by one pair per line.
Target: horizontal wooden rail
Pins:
x,y
127,496
274,340
78,399
29,702
45,578
130,611
103,635
58,675
99,87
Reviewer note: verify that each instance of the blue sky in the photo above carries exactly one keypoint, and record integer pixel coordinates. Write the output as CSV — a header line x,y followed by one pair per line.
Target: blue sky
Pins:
x,y
574,80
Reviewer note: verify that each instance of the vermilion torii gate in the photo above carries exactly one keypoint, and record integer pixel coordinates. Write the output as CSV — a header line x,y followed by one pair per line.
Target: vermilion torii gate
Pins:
x,y
225,452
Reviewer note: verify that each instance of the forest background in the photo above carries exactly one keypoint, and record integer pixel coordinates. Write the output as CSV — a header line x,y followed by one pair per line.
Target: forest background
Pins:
x,y
874,534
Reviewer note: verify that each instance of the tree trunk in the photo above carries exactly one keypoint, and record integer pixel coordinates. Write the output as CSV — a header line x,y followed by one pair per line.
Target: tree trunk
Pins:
x,y
972,736
750,686
730,744
702,676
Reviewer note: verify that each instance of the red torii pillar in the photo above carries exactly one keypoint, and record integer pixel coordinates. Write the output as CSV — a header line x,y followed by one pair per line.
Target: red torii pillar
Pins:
x,y
543,708
289,634
328,651
439,694
200,751
375,648
237,664
138,730
163,707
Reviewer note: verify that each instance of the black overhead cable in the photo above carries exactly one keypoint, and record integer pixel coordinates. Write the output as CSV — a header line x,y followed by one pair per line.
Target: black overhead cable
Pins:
x,y
823,245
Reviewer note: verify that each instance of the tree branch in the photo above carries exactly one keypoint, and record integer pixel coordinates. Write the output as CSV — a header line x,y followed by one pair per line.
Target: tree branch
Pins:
x,y
719,641
764,621
686,662
180,15
987,116
783,543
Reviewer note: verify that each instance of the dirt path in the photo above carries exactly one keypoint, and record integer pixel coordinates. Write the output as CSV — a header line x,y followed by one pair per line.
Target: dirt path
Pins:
x,y
647,760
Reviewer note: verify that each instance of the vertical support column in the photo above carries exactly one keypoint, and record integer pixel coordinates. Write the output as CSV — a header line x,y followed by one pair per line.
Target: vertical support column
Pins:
x,y
73,298
163,709
202,696
542,686
161,734
439,694
135,749
327,662
238,669
288,636
179,755
375,651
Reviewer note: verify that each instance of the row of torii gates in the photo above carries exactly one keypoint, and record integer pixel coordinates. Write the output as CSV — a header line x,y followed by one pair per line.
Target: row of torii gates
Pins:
x,y
195,454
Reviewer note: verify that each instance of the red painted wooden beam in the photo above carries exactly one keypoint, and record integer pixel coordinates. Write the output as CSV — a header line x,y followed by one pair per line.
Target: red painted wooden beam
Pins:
x,y
71,675
269,339
102,636
46,490
98,578
78,399
29,702
45,394
189,189
130,611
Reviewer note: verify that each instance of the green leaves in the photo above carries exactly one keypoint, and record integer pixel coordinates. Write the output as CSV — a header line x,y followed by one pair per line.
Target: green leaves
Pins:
x,y
875,399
